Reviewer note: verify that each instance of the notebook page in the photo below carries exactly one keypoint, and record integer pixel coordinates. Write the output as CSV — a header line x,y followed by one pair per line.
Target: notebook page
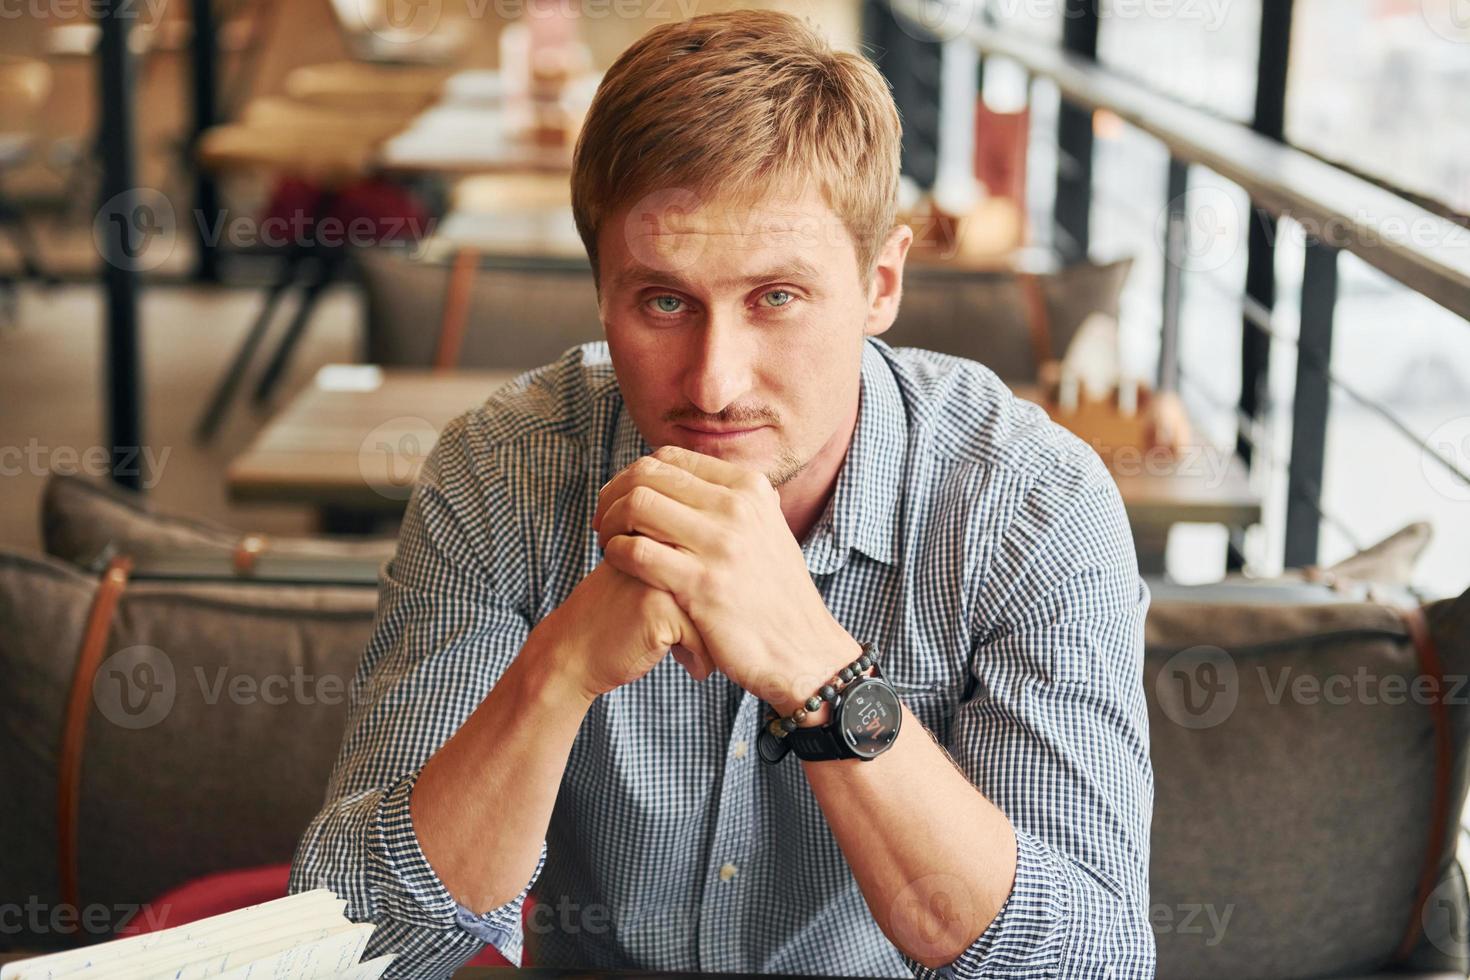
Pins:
x,y
324,953
292,912
336,942
318,962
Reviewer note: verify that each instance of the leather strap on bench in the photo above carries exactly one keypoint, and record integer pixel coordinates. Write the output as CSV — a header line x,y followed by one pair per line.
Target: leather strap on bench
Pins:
x,y
456,308
74,722
1038,322
1429,666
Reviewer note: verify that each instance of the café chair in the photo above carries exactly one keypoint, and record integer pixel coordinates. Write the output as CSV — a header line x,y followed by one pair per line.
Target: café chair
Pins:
x,y
242,28
88,521
321,160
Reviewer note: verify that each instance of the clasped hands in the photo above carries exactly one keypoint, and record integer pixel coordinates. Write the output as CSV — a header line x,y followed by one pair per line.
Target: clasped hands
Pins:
x,y
712,535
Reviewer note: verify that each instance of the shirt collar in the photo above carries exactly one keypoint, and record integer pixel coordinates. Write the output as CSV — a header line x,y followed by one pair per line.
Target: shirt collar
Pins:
x,y
862,513
627,443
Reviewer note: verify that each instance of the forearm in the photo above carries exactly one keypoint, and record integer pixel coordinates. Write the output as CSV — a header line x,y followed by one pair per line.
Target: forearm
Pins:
x,y
934,876
483,802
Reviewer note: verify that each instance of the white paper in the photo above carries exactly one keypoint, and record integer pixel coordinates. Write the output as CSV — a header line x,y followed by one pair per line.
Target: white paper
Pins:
x,y
300,937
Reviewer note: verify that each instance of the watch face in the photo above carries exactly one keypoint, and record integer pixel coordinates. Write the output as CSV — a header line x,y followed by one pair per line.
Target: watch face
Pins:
x,y
870,717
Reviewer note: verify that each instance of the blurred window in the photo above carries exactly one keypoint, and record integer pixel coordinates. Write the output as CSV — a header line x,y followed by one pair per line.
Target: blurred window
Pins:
x,y
1202,52
1381,86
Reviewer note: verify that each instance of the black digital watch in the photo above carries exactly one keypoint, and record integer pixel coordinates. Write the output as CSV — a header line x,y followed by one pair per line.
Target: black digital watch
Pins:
x,y
865,721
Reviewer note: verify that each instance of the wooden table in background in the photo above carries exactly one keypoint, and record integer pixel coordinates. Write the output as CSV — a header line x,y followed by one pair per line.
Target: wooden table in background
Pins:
x,y
352,443
1201,485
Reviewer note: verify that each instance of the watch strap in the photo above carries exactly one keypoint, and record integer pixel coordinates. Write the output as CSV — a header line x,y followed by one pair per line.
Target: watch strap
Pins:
x,y
818,743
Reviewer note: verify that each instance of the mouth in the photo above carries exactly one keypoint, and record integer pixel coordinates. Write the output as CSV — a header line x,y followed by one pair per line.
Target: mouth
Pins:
x,y
726,435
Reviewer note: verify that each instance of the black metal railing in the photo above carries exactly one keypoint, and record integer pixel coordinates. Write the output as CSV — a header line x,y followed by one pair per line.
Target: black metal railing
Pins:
x,y
1339,210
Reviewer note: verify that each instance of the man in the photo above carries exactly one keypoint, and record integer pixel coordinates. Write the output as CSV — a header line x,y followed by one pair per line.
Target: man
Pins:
x,y
582,639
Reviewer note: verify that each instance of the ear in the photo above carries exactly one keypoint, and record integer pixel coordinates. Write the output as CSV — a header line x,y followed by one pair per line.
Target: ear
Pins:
x,y
885,285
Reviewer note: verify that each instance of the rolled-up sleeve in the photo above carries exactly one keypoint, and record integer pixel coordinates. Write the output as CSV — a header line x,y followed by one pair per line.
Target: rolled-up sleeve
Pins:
x,y
1056,736
445,631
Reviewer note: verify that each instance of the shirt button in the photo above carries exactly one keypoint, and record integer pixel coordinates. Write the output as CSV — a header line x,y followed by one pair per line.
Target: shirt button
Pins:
x,y
728,871
740,750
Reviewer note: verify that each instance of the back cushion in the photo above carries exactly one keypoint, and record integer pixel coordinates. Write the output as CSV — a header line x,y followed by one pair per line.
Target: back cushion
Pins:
x,y
1295,771
985,317
518,317
216,716
84,520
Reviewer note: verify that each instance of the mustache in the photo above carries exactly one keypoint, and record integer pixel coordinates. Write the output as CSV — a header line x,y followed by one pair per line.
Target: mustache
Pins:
x,y
729,417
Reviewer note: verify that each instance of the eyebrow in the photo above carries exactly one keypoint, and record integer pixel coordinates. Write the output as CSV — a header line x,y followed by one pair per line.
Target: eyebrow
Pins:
x,y
638,273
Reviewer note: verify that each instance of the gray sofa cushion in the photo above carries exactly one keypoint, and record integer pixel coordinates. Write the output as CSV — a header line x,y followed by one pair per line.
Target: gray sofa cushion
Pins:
x,y
84,521
985,318
1295,767
1383,568
518,317
527,316
217,713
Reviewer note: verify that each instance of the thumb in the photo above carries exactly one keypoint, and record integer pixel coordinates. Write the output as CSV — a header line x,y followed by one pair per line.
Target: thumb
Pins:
x,y
692,655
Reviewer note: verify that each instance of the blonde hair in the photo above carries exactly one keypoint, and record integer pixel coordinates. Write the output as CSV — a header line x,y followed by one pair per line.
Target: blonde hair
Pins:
x,y
730,105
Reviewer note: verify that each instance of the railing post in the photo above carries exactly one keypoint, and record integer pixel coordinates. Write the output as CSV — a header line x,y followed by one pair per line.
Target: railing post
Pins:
x,y
1073,206
203,61
117,228
1176,248
1310,405
1272,66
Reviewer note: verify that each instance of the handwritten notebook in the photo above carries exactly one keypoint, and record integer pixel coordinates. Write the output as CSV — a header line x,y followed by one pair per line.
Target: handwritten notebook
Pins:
x,y
301,937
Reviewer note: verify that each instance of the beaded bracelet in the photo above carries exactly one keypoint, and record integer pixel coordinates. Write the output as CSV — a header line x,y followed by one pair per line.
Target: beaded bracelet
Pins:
x,y
828,693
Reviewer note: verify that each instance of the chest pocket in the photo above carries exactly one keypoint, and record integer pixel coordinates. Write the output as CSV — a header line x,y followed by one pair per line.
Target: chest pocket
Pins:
x,y
933,705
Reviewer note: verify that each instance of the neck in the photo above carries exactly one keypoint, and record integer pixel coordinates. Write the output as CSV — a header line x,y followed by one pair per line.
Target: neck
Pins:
x,y
805,495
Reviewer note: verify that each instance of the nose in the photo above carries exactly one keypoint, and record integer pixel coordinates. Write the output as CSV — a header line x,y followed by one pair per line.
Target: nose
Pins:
x,y
720,369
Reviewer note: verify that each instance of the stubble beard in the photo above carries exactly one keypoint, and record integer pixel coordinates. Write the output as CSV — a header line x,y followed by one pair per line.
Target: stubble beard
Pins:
x,y
786,467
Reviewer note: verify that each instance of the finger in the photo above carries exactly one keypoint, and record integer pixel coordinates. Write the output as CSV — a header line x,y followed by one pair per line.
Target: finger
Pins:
x,y
710,469
671,481
654,563
645,511
698,665
685,659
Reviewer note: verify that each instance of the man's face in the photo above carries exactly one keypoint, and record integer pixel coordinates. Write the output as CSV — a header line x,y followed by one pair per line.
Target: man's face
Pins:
x,y
736,331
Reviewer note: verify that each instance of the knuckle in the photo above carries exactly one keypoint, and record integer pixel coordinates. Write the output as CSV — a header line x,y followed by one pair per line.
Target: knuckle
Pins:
x,y
707,581
641,499
745,508
639,550
721,549
730,504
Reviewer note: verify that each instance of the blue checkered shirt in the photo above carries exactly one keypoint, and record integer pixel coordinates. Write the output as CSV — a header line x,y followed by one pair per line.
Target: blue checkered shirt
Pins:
x,y
981,547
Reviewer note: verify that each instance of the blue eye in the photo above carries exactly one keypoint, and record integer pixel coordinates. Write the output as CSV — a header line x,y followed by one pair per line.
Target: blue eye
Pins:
x,y
785,297
667,304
